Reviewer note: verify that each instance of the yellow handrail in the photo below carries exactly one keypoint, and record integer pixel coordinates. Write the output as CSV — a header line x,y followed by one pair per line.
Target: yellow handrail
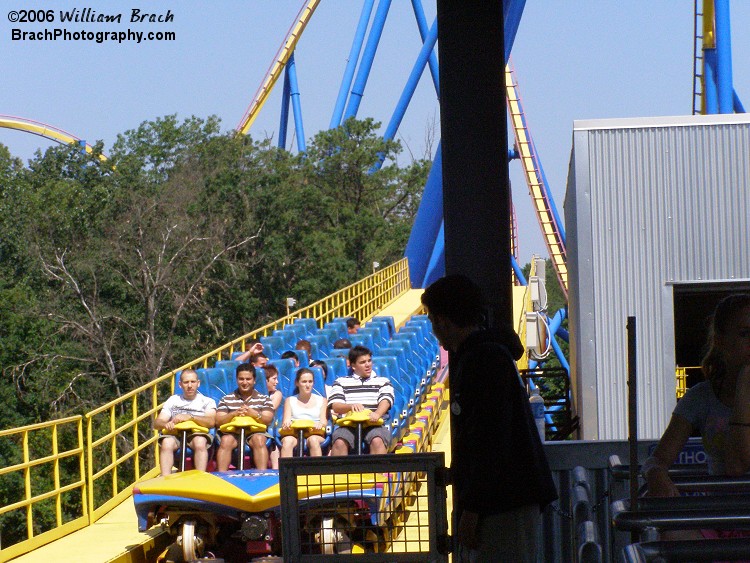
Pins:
x,y
33,484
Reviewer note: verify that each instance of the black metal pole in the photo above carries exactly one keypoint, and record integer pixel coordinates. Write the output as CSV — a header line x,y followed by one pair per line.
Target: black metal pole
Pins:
x,y
183,453
241,449
632,418
474,140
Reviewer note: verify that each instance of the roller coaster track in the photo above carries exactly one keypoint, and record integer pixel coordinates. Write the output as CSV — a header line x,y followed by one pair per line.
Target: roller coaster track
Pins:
x,y
277,65
699,104
46,131
538,189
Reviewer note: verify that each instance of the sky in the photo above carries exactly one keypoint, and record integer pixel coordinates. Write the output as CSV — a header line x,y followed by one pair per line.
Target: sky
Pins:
x,y
574,59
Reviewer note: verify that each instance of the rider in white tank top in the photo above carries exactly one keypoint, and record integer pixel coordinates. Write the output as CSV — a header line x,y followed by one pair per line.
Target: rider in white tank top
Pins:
x,y
311,411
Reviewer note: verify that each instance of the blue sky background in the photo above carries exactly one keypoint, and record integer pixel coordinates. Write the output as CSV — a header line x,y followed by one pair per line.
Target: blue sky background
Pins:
x,y
575,59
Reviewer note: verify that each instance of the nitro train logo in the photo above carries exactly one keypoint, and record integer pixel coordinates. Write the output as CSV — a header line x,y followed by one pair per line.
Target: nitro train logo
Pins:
x,y
254,473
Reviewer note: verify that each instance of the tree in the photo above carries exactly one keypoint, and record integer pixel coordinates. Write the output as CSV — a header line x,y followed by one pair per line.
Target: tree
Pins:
x,y
371,208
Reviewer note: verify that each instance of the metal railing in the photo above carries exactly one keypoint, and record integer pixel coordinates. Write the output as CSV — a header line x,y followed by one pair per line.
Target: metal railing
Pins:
x,y
120,446
44,482
376,507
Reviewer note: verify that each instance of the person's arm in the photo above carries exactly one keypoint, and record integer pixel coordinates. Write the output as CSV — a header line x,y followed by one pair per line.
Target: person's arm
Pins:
x,y
337,400
224,416
256,348
207,419
385,401
276,399
323,417
343,408
163,421
265,415
286,421
655,469
382,409
738,455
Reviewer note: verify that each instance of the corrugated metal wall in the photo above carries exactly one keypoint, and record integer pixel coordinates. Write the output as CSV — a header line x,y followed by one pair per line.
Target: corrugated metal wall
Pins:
x,y
650,203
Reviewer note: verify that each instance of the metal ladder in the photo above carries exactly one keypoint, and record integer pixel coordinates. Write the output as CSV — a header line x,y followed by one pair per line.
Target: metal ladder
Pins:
x,y
698,101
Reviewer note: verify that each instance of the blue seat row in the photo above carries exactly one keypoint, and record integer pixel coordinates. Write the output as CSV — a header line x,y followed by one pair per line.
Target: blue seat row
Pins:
x,y
409,357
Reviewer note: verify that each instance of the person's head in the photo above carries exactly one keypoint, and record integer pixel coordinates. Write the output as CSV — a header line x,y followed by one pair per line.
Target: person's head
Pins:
x,y
272,378
245,378
454,306
360,360
322,365
303,381
352,325
342,344
189,383
289,355
259,360
728,339
304,345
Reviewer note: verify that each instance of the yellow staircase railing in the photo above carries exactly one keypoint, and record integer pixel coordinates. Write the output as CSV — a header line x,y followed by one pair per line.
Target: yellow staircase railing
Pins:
x,y
44,482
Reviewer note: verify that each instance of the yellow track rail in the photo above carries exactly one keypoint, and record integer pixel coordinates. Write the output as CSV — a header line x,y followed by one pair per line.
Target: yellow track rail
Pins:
x,y
44,130
532,172
277,65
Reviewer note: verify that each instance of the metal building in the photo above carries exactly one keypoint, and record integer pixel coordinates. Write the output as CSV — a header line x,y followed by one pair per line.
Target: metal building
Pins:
x,y
658,218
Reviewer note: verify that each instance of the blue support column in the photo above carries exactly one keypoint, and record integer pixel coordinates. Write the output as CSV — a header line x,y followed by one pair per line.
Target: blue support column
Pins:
x,y
423,31
560,356
724,57
299,128
711,92
555,328
351,65
518,271
284,120
411,83
556,321
367,58
436,267
427,223
738,107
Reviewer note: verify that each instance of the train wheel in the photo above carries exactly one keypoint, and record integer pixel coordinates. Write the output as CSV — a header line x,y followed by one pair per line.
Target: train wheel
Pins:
x,y
191,543
333,539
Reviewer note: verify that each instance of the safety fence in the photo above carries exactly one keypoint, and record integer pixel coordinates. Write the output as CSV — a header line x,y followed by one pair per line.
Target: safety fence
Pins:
x,y
373,508
114,446
42,481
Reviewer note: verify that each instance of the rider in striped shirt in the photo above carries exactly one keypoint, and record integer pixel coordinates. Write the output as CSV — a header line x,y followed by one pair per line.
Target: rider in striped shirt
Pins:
x,y
363,389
